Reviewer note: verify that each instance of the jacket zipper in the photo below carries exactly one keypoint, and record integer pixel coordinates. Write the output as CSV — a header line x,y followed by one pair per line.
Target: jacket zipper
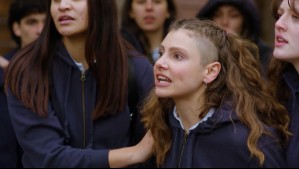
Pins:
x,y
83,108
182,149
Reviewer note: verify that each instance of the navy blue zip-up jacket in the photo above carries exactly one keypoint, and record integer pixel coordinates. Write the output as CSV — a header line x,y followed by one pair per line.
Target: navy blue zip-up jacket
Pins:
x,y
219,142
69,137
10,151
292,80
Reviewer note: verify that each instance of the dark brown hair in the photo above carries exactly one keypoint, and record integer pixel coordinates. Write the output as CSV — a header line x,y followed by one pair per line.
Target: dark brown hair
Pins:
x,y
129,24
28,73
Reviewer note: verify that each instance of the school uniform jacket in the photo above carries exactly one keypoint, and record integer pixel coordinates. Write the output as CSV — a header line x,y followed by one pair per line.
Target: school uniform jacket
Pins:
x,y
219,142
10,151
69,137
292,80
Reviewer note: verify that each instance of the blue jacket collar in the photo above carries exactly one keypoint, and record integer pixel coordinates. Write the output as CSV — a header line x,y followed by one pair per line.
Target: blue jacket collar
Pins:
x,y
64,54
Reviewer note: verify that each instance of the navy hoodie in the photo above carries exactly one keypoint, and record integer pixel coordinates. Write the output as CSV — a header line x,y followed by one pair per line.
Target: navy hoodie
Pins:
x,y
69,137
219,142
10,151
292,80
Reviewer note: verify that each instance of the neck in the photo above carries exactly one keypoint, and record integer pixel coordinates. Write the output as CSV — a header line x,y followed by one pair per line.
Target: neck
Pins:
x,y
189,110
76,48
154,38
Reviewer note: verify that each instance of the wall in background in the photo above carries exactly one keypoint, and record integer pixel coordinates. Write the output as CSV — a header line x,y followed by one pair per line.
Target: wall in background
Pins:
x,y
267,21
186,9
6,44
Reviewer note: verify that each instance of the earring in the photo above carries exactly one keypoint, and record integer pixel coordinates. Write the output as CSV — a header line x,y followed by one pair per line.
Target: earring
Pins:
x,y
206,83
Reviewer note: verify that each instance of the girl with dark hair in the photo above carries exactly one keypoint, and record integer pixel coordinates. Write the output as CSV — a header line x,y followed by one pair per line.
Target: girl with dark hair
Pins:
x,y
283,71
67,92
148,21
210,107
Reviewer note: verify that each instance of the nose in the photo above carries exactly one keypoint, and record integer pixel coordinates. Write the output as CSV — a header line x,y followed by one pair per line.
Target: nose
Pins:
x,y
161,63
64,5
280,24
149,5
224,21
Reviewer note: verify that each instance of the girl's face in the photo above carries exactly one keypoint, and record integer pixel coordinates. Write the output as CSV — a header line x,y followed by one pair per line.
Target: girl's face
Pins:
x,y
70,16
287,33
150,15
229,18
179,72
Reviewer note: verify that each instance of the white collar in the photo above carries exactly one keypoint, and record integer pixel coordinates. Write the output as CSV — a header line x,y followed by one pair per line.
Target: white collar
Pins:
x,y
209,114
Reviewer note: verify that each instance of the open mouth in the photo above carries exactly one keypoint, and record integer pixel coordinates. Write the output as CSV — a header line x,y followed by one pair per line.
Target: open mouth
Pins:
x,y
163,79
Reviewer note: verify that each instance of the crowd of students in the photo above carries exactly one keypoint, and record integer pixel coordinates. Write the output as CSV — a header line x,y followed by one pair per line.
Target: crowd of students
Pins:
x,y
209,92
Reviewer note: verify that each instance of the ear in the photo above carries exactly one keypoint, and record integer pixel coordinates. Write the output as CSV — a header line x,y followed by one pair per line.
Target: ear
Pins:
x,y
212,72
16,29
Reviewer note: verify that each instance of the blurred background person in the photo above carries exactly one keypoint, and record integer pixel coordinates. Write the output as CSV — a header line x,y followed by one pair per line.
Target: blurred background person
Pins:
x,y
283,71
3,62
25,22
240,17
145,24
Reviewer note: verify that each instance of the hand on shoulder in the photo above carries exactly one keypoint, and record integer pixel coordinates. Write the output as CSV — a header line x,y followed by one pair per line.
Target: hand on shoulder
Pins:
x,y
139,153
3,62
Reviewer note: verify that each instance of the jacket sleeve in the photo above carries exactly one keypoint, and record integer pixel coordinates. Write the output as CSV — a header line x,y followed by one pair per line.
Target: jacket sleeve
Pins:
x,y
1,79
274,155
145,77
273,151
42,140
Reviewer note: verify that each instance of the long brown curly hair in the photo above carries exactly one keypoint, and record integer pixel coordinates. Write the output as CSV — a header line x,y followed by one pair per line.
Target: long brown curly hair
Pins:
x,y
239,79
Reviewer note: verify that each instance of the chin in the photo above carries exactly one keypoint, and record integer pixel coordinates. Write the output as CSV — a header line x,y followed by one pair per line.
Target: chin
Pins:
x,y
162,94
280,56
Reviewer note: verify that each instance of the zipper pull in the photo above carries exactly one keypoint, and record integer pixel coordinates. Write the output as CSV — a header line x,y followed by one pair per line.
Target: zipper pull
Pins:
x,y
185,137
83,77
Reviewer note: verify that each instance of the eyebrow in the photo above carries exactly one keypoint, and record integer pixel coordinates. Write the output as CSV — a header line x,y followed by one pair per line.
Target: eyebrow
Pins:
x,y
174,49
